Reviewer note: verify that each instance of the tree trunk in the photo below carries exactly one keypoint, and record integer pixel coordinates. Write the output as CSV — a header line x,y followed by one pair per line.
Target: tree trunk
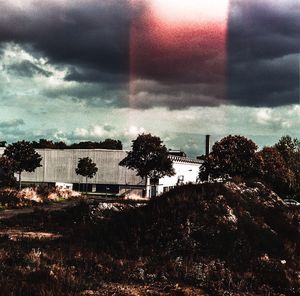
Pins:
x,y
20,184
86,179
146,187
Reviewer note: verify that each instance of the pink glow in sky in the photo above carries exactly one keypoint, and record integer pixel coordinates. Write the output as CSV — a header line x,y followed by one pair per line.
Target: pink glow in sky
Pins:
x,y
179,41
190,11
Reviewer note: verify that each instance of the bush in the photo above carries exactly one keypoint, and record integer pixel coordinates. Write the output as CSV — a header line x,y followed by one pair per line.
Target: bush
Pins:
x,y
10,198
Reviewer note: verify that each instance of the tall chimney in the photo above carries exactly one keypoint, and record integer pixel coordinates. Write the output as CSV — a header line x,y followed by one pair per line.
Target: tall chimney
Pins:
x,y
207,143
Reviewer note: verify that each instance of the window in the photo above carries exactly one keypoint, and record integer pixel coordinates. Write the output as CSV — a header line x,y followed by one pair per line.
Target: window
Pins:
x,y
181,178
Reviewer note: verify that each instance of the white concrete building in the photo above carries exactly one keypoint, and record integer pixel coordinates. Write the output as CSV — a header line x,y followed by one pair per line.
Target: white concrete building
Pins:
x,y
58,168
186,171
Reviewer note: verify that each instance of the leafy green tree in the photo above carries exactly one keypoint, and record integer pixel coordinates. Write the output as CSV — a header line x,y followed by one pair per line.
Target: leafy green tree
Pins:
x,y
274,170
86,168
7,178
43,143
289,149
111,144
149,157
49,144
106,144
23,157
232,156
60,145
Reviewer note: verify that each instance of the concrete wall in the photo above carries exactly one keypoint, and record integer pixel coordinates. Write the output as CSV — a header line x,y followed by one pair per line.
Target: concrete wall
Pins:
x,y
189,172
186,171
59,166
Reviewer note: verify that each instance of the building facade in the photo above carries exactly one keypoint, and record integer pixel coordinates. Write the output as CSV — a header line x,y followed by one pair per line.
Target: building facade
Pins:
x,y
186,171
58,169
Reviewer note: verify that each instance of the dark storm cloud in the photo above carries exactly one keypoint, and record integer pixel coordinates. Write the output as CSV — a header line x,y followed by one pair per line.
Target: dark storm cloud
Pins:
x,y
26,69
264,53
176,96
85,74
91,94
92,34
92,38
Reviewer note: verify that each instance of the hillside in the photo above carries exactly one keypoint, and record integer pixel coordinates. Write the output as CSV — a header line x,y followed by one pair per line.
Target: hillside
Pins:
x,y
222,237
210,239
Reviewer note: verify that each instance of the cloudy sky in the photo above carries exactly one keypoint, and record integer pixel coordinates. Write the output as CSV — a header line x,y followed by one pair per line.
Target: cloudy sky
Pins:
x,y
87,70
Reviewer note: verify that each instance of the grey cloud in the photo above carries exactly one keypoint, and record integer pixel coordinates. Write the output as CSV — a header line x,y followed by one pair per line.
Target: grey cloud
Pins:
x,y
108,128
179,96
11,123
11,131
264,52
26,69
83,74
92,39
93,34
91,94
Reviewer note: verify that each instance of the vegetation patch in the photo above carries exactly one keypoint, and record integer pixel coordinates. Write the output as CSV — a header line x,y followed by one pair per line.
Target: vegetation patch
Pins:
x,y
32,196
210,239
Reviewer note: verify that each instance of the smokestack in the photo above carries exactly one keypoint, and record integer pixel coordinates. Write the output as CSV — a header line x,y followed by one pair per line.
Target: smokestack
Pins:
x,y
207,144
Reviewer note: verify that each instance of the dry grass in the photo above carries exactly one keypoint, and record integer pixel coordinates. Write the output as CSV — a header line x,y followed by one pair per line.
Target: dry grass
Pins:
x,y
197,240
31,196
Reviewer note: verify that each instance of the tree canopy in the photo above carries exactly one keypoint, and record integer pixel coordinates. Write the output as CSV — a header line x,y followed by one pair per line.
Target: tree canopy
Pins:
x,y
7,177
274,170
86,167
106,144
149,157
23,157
231,156
289,149
277,166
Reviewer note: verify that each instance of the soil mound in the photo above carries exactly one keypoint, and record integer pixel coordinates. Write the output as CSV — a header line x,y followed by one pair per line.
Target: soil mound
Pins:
x,y
220,236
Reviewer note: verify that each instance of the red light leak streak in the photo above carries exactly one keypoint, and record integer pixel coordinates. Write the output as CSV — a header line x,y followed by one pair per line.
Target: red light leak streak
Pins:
x,y
170,43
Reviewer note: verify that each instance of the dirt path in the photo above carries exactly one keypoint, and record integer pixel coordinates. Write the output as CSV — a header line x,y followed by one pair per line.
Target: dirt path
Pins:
x,y
59,206
16,234
144,290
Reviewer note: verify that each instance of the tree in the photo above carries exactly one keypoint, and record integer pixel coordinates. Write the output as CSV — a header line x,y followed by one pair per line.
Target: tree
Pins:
x,y
111,144
274,170
149,157
60,145
43,143
232,156
23,157
106,144
7,177
86,168
49,144
289,149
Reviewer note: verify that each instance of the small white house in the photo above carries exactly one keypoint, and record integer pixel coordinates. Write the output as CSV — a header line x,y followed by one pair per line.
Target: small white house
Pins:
x,y
186,172
62,185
